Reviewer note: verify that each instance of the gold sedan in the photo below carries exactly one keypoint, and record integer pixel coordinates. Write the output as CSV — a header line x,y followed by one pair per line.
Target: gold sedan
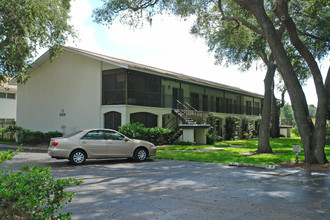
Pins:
x,y
99,144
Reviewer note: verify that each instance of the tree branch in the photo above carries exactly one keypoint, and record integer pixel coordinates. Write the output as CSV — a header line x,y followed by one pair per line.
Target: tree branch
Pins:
x,y
281,11
282,101
313,36
238,20
143,4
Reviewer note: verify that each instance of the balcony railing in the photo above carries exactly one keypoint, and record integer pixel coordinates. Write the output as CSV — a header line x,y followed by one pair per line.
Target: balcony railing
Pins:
x,y
142,98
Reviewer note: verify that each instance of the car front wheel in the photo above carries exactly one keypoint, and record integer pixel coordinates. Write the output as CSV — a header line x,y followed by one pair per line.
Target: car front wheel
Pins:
x,y
140,154
77,157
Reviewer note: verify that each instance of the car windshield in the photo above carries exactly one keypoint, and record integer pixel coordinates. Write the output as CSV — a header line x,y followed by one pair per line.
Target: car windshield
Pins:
x,y
72,134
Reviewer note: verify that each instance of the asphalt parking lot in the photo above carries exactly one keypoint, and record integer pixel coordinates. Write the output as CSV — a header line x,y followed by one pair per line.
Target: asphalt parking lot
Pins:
x,y
165,189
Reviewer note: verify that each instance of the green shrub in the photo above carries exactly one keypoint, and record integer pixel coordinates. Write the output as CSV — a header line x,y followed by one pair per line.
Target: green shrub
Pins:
x,y
159,136
295,131
212,133
231,128
36,137
32,192
136,130
246,128
30,137
2,133
52,134
12,130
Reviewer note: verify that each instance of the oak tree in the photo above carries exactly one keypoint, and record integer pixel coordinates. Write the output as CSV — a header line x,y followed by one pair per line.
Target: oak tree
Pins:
x,y
25,27
307,31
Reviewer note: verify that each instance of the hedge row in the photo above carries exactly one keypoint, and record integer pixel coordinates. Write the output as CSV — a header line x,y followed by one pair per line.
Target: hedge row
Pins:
x,y
27,136
157,136
36,137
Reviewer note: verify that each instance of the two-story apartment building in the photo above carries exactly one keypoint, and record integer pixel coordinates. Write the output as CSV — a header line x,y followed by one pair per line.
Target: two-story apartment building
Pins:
x,y
81,89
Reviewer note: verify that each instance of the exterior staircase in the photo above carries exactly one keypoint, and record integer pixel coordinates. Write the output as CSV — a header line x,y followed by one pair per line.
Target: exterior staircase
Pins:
x,y
183,116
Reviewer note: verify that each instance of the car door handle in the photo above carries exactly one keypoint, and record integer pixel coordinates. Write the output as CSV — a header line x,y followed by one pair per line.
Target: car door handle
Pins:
x,y
84,142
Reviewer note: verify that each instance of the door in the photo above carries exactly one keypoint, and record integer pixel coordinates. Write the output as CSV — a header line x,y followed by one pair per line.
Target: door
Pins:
x,y
118,145
94,143
112,120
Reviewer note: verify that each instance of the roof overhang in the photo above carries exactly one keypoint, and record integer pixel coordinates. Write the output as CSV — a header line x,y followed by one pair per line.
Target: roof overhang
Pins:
x,y
120,63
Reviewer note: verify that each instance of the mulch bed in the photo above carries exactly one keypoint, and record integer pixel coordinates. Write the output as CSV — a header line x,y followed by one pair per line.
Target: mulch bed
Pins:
x,y
302,165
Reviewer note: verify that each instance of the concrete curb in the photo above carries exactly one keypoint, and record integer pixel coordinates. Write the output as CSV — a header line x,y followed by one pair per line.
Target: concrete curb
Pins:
x,y
25,148
268,167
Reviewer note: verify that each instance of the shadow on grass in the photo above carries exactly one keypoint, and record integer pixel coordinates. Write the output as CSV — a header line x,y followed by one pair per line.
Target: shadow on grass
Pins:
x,y
282,148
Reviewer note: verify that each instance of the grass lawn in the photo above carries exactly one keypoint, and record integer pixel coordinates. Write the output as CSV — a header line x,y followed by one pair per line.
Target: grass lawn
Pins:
x,y
281,146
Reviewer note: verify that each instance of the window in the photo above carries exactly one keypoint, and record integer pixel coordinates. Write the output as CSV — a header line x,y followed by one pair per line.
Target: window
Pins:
x,y
5,95
111,135
177,96
149,120
10,121
194,100
205,103
5,122
143,89
113,87
229,106
256,108
248,108
10,96
93,135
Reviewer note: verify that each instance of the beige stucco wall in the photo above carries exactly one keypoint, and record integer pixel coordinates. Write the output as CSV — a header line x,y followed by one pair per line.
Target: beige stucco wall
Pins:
x,y
71,84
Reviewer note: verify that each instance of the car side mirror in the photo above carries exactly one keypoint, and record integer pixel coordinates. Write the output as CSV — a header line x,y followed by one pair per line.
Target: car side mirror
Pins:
x,y
126,139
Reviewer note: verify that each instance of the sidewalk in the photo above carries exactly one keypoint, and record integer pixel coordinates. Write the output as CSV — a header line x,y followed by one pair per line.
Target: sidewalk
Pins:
x,y
34,149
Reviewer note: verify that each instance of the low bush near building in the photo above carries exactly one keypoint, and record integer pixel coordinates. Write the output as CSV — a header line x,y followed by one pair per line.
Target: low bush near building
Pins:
x,y
295,131
2,133
212,133
32,192
29,137
231,128
158,136
246,128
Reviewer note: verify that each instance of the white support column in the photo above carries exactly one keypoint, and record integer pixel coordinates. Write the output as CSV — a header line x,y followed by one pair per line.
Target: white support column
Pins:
x,y
188,135
201,135
160,121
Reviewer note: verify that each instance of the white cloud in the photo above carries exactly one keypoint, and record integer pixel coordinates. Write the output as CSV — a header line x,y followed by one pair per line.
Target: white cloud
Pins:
x,y
81,12
166,44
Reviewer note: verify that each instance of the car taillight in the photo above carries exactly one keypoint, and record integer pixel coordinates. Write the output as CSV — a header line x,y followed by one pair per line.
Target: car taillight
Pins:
x,y
54,143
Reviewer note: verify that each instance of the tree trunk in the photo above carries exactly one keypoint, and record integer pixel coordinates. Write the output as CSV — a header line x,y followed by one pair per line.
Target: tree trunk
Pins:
x,y
316,151
297,96
275,120
263,141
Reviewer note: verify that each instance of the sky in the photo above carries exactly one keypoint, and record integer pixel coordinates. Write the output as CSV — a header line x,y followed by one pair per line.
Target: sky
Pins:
x,y
167,44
